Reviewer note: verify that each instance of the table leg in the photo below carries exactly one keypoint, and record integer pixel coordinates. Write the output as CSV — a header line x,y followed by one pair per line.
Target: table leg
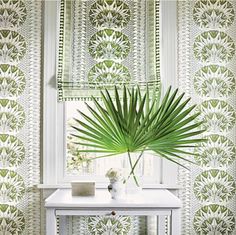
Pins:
x,y
51,222
161,224
62,225
151,225
175,222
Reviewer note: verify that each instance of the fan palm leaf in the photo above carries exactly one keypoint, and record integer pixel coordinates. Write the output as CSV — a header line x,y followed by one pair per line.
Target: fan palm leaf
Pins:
x,y
137,121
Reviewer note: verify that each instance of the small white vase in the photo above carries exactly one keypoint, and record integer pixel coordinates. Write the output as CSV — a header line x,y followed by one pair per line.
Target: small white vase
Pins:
x,y
116,189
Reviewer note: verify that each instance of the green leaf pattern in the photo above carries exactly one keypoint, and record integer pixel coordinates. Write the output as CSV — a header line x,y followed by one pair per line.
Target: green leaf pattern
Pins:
x,y
109,73
214,48
98,225
12,46
214,219
12,116
213,14
214,81
214,186
12,151
109,14
109,44
12,13
12,221
12,81
218,151
12,187
217,115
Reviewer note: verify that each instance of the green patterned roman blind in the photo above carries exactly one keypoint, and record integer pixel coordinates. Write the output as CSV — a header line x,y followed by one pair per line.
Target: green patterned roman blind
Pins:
x,y
103,43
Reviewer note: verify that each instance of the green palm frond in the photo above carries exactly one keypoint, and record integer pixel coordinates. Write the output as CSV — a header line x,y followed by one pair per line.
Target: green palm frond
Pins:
x,y
136,121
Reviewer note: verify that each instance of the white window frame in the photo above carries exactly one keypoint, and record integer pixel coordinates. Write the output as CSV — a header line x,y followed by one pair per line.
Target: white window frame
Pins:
x,y
54,112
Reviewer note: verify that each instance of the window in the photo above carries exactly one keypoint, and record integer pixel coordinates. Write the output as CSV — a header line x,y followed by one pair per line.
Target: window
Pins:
x,y
96,169
57,157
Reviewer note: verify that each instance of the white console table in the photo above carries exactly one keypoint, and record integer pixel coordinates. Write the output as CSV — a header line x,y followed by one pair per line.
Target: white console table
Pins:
x,y
150,202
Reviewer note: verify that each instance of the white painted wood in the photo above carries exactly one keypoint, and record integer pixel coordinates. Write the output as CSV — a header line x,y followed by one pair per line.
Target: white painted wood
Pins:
x,y
159,202
175,222
152,225
119,211
51,222
62,225
168,43
159,198
161,224
168,63
53,111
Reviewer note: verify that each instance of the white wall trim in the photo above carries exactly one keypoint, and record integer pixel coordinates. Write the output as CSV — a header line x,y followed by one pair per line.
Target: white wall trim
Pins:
x,y
168,41
51,108
168,63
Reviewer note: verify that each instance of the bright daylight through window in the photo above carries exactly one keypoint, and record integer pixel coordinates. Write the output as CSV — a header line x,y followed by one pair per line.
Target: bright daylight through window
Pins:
x,y
80,164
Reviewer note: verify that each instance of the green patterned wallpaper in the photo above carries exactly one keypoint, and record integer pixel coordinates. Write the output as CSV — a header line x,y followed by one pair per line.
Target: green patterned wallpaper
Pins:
x,y
206,44
20,43
211,83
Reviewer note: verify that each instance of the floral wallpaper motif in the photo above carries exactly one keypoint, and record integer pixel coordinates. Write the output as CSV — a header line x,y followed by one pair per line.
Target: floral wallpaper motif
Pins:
x,y
12,220
214,47
12,151
12,81
12,13
218,151
12,186
20,29
214,219
213,74
98,225
213,14
214,81
12,45
214,185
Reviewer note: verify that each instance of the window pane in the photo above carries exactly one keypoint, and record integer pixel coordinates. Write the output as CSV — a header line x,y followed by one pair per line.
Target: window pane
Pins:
x,y
80,164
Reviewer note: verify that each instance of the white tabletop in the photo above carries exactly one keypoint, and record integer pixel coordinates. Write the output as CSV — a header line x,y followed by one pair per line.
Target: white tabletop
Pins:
x,y
155,198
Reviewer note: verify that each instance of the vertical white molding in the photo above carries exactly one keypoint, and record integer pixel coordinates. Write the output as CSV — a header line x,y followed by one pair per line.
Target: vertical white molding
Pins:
x,y
168,41
168,63
51,119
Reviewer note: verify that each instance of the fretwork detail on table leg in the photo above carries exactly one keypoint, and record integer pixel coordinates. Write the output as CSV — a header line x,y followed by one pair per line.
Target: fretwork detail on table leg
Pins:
x,y
62,225
161,220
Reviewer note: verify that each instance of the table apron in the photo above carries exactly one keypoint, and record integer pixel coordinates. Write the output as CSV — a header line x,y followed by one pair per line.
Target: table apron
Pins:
x,y
120,211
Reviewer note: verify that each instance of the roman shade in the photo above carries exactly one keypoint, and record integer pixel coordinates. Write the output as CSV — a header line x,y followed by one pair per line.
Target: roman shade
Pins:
x,y
106,43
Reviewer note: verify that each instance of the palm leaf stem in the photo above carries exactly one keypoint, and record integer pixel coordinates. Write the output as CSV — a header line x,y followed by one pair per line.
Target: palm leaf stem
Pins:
x,y
131,165
135,164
